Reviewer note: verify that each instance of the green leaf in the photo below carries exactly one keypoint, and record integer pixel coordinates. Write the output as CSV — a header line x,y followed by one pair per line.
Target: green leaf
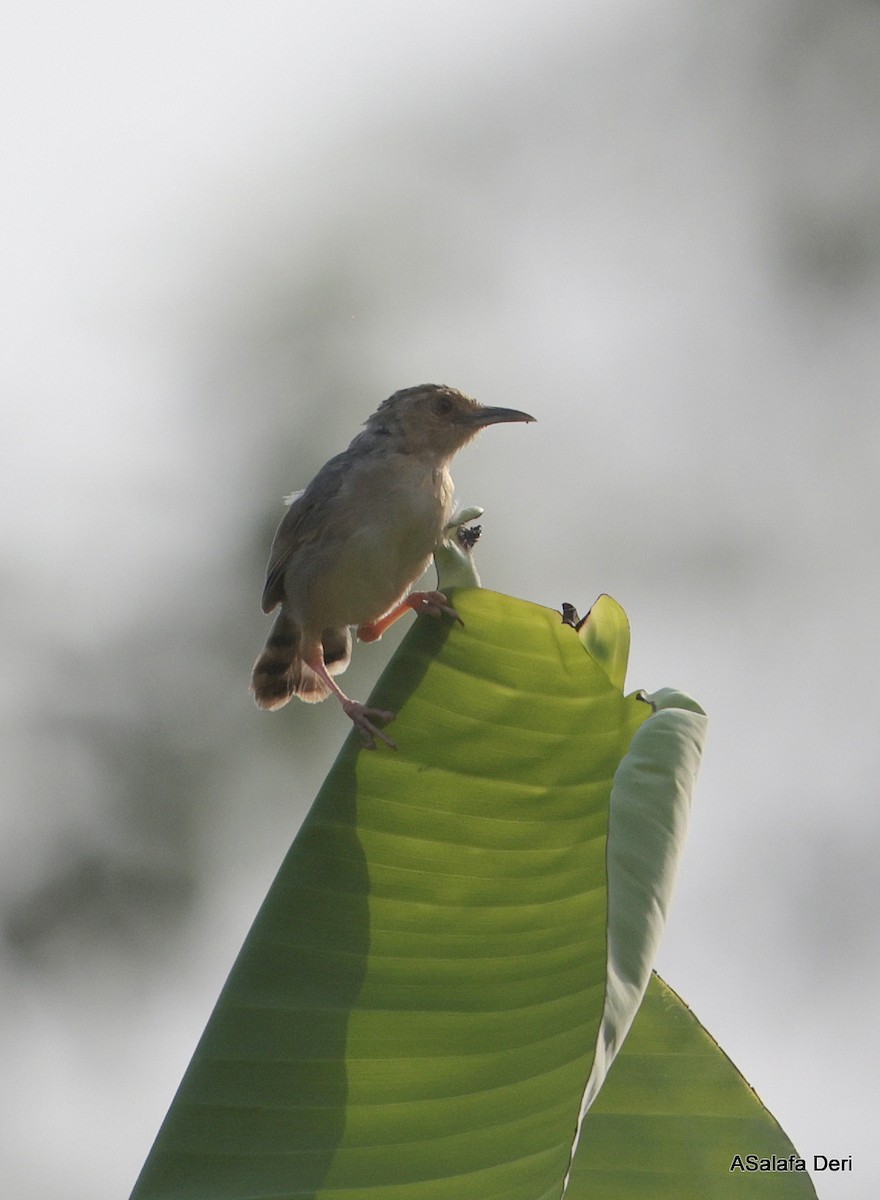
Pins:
x,y
673,1115
648,814
458,939
605,635
453,557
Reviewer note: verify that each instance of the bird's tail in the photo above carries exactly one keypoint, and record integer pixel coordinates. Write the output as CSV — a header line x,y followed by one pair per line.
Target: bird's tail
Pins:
x,y
279,670
280,673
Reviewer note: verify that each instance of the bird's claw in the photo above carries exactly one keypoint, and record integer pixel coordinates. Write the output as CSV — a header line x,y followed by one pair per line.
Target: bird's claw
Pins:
x,y
360,717
433,604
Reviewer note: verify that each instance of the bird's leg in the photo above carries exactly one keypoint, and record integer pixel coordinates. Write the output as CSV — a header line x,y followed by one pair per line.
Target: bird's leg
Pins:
x,y
432,603
358,713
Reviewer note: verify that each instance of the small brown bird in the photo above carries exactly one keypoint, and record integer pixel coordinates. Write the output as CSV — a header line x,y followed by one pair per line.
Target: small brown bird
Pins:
x,y
353,543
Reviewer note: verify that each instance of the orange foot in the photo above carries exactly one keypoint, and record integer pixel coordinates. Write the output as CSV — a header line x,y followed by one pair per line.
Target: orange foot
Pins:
x,y
360,717
432,603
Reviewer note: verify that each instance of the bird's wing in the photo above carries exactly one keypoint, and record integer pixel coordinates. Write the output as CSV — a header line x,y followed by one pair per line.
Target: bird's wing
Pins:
x,y
301,525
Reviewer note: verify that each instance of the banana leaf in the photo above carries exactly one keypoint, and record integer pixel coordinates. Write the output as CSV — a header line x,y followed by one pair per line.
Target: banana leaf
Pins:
x,y
677,1121
456,945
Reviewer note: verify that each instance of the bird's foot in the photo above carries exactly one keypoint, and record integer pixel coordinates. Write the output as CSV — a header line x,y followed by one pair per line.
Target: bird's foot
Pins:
x,y
433,604
362,718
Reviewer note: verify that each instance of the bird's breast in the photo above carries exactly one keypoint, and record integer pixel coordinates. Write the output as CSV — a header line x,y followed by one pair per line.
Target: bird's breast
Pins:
x,y
400,515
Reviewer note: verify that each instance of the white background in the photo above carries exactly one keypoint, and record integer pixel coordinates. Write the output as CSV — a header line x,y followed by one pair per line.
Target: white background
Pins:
x,y
229,230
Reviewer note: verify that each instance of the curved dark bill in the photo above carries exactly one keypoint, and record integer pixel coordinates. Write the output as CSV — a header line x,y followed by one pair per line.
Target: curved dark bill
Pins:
x,y
494,416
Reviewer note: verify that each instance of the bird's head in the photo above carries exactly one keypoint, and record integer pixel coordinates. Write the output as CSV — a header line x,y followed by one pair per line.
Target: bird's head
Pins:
x,y
437,420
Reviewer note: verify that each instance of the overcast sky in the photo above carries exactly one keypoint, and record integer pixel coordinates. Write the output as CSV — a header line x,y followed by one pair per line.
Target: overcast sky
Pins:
x,y
228,232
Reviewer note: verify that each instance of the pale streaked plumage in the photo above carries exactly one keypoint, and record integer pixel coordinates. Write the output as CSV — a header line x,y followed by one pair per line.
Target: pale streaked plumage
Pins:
x,y
351,545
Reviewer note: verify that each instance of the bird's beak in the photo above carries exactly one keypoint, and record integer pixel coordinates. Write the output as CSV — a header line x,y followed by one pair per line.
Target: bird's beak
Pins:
x,y
493,416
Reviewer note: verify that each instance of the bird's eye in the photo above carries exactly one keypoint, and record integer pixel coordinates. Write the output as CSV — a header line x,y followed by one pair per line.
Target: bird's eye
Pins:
x,y
443,405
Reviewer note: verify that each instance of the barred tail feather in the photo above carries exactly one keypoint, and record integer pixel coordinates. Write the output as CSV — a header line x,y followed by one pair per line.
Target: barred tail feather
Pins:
x,y
308,685
278,672
336,651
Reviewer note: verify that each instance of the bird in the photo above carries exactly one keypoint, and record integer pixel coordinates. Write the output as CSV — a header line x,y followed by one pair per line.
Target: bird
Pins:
x,y
352,544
